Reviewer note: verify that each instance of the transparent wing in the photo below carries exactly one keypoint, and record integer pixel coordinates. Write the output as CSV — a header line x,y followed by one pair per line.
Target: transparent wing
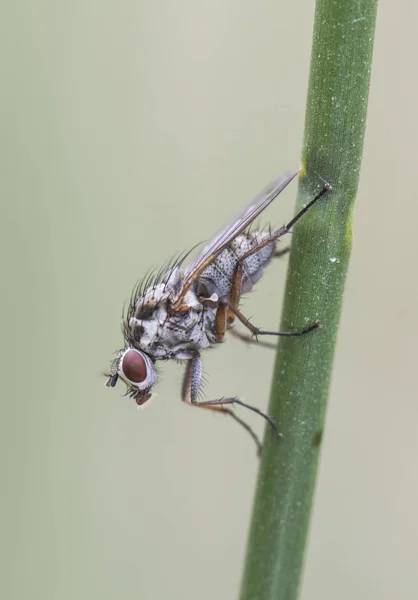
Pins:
x,y
229,233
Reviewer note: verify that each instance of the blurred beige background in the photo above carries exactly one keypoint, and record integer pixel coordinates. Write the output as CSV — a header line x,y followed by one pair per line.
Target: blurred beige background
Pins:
x,y
131,131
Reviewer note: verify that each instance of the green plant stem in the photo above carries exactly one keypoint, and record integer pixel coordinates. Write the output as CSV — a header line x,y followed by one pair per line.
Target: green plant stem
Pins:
x,y
332,150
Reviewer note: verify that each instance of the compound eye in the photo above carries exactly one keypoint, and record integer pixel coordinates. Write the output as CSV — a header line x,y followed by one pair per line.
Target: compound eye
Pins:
x,y
134,367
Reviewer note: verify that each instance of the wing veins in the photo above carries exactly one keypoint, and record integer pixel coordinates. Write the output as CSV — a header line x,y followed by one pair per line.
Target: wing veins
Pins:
x,y
227,235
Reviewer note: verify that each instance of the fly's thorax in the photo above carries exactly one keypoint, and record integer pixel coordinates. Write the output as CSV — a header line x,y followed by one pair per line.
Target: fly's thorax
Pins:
x,y
150,301
161,333
160,296
218,277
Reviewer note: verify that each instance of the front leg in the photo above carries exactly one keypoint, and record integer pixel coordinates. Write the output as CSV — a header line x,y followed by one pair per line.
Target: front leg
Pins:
x,y
192,380
190,393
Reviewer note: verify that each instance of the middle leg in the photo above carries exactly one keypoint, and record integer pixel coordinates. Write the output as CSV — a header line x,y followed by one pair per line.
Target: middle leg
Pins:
x,y
256,331
249,339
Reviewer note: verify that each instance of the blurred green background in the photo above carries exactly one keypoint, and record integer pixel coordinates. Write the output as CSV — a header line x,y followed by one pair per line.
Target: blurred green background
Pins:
x,y
130,132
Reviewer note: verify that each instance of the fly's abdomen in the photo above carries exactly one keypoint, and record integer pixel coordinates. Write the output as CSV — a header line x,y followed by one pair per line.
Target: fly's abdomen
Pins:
x,y
218,277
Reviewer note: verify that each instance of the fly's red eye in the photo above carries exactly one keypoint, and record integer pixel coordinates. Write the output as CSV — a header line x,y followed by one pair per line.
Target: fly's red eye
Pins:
x,y
134,367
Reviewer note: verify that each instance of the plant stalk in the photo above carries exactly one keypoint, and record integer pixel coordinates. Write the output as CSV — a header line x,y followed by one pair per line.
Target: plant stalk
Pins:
x,y
332,151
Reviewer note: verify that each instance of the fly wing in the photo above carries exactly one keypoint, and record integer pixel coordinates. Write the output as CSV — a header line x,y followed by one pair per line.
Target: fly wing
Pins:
x,y
229,233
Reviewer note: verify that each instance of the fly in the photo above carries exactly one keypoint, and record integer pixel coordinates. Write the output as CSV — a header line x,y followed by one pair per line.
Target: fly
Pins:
x,y
180,311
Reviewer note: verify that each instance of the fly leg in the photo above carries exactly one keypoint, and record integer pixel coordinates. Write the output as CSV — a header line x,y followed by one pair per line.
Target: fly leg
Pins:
x,y
276,235
280,253
190,391
232,304
222,318
249,339
256,331
221,321
228,411
234,297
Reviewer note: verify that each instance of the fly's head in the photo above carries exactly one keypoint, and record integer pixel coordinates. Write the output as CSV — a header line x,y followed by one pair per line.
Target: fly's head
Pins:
x,y
137,370
146,310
